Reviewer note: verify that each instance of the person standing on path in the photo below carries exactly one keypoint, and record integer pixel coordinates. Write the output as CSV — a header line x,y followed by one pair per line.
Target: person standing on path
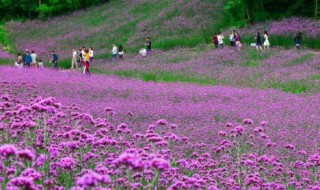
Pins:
x,y
298,40
143,52
91,55
149,45
27,58
87,63
220,40
232,39
121,53
74,61
54,59
215,40
114,52
19,62
238,40
33,59
258,41
266,43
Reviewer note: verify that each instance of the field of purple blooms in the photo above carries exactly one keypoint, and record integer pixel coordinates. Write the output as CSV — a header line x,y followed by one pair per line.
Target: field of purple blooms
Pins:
x,y
62,130
124,22
283,69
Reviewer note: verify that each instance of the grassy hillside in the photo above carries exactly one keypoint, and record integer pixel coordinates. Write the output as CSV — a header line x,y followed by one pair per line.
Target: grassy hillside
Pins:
x,y
169,23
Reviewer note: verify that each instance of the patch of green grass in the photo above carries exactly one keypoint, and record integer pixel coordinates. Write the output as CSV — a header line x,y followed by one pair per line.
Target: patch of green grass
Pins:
x,y
158,76
5,39
314,77
170,43
300,60
251,64
179,59
6,61
65,64
293,86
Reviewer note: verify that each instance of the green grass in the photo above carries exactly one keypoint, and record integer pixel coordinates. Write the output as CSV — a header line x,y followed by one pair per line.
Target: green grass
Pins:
x,y
159,76
300,60
315,77
5,39
170,43
6,61
251,64
293,86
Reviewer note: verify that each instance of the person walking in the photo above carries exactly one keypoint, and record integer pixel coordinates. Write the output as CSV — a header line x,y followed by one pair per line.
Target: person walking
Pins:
x,y
121,53
215,40
258,41
27,59
266,43
220,40
114,52
298,40
33,59
91,55
232,39
79,58
238,40
19,62
74,61
149,45
87,63
54,60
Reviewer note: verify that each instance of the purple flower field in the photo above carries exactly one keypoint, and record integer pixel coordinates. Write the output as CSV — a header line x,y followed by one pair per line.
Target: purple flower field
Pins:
x,y
62,130
5,55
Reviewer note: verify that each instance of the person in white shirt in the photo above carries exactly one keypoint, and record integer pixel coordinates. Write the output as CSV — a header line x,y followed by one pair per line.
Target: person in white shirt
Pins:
x,y
220,40
121,53
40,64
143,52
266,43
33,59
74,61
91,55
114,52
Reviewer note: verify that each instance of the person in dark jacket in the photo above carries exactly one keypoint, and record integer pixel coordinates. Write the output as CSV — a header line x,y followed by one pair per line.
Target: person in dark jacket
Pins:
x,y
215,40
258,41
297,40
54,60
27,59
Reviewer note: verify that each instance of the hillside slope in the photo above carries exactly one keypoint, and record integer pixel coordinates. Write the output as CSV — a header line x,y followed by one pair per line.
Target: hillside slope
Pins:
x,y
169,23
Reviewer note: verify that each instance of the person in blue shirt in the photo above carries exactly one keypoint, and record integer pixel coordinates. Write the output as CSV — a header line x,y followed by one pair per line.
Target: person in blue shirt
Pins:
x,y
27,59
54,60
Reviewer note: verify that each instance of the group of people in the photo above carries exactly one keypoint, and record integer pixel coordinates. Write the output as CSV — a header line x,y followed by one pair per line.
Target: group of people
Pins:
x,y
235,40
31,60
82,57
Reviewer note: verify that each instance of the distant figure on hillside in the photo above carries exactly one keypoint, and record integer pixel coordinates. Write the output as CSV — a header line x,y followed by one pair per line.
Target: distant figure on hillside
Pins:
x,y
40,64
33,59
121,53
83,55
266,43
27,58
232,39
238,40
114,52
220,40
19,62
298,40
54,59
91,55
79,58
74,61
215,40
258,41
143,52
149,45
87,63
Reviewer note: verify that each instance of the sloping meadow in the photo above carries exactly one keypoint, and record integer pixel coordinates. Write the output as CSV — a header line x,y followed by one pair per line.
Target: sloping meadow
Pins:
x,y
61,129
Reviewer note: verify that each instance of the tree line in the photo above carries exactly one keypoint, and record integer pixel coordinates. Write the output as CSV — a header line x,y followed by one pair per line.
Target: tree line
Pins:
x,y
243,12
30,9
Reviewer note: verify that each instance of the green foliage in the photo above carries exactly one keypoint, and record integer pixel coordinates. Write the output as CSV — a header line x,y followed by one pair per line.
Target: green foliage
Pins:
x,y
293,86
241,12
300,60
251,64
29,9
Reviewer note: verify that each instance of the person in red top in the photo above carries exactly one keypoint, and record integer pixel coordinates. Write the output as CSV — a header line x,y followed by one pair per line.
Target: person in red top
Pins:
x,y
215,40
